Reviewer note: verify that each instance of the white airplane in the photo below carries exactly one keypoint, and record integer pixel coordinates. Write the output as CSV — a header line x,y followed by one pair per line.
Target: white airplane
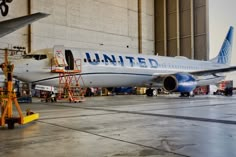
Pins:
x,y
104,69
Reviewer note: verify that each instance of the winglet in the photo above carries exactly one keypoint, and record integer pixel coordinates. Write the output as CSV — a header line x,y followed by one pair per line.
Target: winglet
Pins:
x,y
12,25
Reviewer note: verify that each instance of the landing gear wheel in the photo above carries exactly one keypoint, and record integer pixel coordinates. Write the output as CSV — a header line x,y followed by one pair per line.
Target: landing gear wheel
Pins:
x,y
154,92
11,125
149,92
186,94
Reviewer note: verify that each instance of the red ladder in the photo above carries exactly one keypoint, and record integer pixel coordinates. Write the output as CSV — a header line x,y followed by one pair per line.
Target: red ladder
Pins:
x,y
69,80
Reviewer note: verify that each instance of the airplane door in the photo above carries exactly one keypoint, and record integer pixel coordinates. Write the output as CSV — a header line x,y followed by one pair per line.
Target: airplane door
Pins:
x,y
69,60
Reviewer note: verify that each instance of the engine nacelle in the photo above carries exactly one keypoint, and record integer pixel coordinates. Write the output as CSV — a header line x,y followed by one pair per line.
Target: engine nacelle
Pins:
x,y
180,82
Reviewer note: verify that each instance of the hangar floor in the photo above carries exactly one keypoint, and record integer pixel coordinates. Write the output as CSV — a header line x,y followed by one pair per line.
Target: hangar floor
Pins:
x,y
126,126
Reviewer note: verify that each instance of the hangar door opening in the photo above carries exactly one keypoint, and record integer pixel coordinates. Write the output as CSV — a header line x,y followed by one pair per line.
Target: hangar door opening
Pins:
x,y
69,60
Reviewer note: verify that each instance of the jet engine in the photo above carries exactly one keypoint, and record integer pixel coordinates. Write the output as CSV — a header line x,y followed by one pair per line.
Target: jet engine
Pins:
x,y
180,82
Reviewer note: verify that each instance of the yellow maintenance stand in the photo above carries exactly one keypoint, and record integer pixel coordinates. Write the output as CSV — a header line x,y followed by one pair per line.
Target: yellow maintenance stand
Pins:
x,y
8,98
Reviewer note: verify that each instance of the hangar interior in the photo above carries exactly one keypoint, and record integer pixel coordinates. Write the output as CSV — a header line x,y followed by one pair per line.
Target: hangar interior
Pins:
x,y
164,27
121,125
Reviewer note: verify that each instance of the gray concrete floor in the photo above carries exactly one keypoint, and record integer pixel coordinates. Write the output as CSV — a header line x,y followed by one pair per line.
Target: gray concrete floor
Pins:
x,y
126,126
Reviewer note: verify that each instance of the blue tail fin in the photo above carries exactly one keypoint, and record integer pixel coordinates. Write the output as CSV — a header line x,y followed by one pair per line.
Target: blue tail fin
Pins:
x,y
224,56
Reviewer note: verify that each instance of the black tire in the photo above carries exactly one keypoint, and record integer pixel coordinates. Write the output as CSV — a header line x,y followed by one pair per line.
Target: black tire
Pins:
x,y
11,125
185,94
149,92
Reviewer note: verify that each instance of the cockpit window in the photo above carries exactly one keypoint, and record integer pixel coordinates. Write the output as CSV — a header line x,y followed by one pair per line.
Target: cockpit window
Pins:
x,y
36,57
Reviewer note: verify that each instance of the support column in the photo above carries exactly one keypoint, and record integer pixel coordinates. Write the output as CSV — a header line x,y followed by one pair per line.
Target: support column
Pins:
x,y
140,27
192,28
29,28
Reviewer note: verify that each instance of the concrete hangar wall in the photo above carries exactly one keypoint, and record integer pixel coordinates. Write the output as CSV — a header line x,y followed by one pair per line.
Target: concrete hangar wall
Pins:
x,y
166,27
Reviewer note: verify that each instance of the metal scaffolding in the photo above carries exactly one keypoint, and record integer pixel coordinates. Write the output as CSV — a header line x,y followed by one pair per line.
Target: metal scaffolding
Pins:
x,y
69,80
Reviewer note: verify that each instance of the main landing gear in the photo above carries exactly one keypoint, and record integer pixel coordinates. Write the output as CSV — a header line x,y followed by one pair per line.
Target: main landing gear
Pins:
x,y
187,94
151,92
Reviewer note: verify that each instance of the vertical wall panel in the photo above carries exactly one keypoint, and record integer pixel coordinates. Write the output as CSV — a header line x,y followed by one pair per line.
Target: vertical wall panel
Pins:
x,y
148,26
201,30
160,27
185,27
172,27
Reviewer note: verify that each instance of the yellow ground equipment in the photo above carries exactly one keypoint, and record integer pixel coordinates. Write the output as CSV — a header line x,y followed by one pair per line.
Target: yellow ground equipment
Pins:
x,y
8,98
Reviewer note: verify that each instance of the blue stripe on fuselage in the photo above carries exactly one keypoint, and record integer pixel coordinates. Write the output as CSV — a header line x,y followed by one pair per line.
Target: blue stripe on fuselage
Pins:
x,y
111,73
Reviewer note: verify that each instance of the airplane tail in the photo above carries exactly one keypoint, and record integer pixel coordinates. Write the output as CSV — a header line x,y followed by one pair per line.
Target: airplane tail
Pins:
x,y
224,56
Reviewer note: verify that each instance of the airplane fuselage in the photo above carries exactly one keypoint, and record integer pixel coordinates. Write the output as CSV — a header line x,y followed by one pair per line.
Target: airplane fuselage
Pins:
x,y
103,69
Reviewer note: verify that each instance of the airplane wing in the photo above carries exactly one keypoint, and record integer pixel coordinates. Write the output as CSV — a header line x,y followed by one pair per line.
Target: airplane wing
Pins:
x,y
199,73
12,25
214,71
